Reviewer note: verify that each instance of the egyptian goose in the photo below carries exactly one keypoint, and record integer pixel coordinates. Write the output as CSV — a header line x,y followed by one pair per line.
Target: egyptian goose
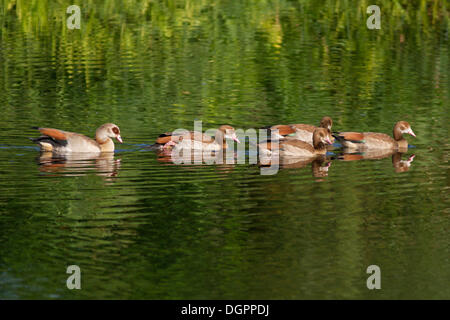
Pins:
x,y
299,131
58,141
298,148
280,131
197,140
375,140
305,132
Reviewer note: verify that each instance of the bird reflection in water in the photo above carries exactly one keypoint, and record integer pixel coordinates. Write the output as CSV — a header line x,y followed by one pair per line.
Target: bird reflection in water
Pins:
x,y
401,165
79,164
319,165
397,162
224,161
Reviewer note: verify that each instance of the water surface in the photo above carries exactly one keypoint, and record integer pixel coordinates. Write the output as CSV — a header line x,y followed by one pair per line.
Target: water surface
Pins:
x,y
140,227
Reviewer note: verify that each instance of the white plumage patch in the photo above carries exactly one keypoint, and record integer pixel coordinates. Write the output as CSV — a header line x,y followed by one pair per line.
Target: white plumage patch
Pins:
x,y
46,146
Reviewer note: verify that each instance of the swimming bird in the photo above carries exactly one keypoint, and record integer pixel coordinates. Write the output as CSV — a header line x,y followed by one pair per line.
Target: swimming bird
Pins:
x,y
197,140
59,141
375,140
300,131
298,148
305,132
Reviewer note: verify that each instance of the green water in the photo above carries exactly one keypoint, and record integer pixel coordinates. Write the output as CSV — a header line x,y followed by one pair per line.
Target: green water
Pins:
x,y
142,228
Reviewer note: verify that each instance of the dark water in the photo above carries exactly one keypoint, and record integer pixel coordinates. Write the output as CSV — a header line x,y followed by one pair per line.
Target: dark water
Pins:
x,y
140,227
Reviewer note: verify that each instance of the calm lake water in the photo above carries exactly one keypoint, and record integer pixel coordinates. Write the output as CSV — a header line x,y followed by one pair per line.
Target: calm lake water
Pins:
x,y
140,227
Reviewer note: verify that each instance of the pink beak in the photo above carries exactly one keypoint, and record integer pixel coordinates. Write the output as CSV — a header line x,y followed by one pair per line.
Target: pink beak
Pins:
x,y
328,141
235,138
119,138
411,132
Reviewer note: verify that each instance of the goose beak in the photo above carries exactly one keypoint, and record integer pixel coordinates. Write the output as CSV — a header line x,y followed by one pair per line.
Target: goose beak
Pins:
x,y
327,140
119,138
411,132
235,138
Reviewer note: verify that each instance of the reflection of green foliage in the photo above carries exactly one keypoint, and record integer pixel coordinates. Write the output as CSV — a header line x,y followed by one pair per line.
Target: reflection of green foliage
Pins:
x,y
333,16
219,46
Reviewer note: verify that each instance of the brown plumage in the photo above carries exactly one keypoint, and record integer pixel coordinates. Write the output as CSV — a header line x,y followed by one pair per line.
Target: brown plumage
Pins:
x,y
279,131
351,136
59,141
54,133
283,129
375,140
